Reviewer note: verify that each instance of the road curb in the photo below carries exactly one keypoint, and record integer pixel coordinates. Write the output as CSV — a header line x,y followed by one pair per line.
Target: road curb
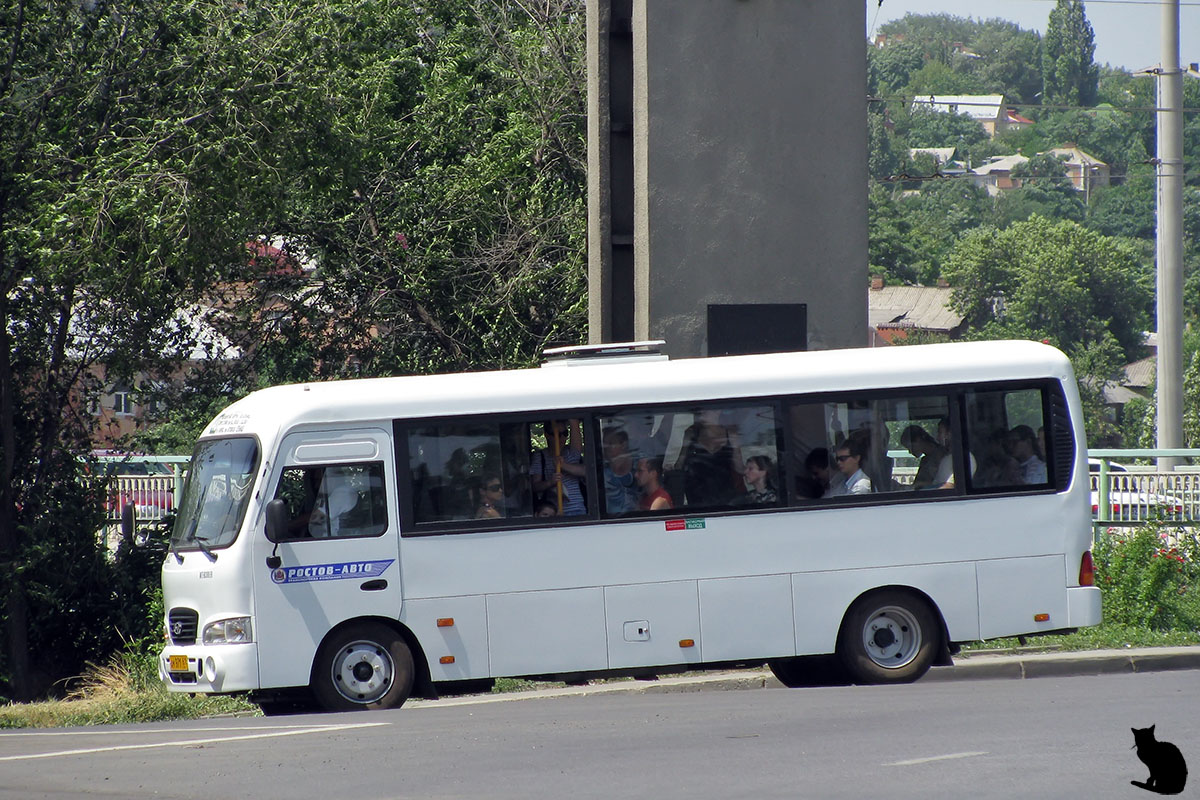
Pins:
x,y
1076,663
965,668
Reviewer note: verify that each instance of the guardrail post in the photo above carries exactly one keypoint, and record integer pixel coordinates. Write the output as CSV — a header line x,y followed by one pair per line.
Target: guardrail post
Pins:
x,y
1103,506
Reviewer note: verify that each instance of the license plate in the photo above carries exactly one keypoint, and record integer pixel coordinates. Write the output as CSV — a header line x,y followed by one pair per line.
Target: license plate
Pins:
x,y
178,663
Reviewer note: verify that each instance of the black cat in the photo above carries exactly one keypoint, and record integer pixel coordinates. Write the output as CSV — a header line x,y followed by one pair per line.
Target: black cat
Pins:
x,y
1168,772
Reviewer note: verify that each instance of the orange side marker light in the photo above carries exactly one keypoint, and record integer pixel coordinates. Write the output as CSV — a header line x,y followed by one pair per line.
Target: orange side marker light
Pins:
x,y
445,622
446,659
687,642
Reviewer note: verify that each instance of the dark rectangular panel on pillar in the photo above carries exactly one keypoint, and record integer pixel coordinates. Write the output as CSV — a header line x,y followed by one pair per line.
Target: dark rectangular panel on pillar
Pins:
x,y
620,98
749,328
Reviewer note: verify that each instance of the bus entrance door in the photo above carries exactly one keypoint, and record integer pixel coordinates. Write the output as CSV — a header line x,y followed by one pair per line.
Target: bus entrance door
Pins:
x,y
338,559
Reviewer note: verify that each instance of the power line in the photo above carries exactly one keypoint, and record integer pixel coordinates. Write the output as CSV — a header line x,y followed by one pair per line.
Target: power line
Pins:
x,y
909,100
904,177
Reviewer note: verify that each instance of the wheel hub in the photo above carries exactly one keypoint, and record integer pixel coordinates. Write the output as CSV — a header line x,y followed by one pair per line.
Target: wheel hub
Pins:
x,y
892,637
363,672
884,638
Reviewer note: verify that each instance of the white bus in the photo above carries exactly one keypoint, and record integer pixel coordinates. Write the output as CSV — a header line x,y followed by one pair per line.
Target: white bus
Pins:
x,y
369,540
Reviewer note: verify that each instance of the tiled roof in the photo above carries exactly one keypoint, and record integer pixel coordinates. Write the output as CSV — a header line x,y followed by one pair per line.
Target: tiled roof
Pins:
x,y
924,307
976,106
1141,373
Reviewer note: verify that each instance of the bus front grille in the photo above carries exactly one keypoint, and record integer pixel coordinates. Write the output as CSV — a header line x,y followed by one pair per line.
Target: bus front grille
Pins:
x,y
181,624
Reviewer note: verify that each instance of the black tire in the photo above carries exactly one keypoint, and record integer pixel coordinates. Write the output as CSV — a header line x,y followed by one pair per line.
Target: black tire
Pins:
x,y
362,667
889,636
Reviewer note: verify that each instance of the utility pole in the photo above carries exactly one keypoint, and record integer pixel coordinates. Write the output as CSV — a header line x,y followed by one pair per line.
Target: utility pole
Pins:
x,y
1170,238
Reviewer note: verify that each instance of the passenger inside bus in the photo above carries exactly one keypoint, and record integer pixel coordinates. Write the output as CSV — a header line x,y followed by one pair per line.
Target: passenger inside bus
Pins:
x,y
334,501
759,476
820,479
556,471
649,479
710,460
999,467
490,504
849,461
931,457
620,488
1022,443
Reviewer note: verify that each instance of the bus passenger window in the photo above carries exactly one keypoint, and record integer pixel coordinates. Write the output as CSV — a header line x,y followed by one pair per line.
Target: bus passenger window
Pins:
x,y
1007,430
709,457
470,470
334,501
889,443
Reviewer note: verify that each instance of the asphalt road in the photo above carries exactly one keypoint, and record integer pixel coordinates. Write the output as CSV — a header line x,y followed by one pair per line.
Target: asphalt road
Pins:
x,y
1052,737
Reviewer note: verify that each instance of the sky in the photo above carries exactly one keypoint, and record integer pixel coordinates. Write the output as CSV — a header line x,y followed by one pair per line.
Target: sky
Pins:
x,y
1128,32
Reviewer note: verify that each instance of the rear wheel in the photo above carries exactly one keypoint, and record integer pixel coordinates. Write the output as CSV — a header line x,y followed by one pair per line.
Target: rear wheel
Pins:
x,y
889,636
363,666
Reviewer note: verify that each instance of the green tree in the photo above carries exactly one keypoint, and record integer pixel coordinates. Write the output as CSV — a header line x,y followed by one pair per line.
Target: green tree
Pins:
x,y
882,159
142,146
992,56
1106,133
133,140
1088,294
1191,401
1126,208
1045,191
891,68
453,236
925,127
889,242
938,78
933,34
1069,73
1010,61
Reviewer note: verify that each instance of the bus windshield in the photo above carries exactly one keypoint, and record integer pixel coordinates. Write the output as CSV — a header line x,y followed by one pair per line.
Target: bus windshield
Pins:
x,y
216,494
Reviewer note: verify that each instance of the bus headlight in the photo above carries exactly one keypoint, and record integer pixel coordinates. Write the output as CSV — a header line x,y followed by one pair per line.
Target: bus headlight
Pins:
x,y
235,630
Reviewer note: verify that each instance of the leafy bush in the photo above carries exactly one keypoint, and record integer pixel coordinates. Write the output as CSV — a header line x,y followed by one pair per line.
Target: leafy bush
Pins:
x,y
1150,578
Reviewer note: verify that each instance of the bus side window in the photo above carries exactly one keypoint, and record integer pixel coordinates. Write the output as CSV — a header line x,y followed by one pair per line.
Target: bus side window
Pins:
x,y
875,444
715,456
469,470
334,501
1006,430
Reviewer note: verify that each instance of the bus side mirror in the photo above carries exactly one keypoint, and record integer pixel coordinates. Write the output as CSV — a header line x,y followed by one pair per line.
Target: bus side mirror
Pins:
x,y
128,522
277,528
278,520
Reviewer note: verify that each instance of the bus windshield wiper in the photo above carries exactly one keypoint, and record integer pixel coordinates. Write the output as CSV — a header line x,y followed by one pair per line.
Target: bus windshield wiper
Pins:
x,y
190,536
202,543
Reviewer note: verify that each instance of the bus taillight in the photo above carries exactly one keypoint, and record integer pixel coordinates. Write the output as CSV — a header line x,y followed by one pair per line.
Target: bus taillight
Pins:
x,y
1087,571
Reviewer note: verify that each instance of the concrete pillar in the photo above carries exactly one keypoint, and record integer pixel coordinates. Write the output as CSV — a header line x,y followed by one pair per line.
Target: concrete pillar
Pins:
x,y
748,168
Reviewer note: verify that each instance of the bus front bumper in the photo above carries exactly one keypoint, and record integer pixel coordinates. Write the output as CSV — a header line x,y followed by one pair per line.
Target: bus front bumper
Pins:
x,y
209,669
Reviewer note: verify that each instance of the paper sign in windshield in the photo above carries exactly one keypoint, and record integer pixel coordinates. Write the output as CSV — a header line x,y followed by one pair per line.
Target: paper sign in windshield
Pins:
x,y
331,572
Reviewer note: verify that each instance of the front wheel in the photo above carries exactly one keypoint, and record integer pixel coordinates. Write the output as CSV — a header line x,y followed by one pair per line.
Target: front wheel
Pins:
x,y
363,666
889,636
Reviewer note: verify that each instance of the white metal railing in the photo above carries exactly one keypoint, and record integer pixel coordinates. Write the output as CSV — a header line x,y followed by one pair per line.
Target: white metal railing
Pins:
x,y
152,496
1135,493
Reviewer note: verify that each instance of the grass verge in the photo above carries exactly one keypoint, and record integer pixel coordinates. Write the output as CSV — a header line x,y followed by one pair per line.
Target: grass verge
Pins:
x,y
1110,636
126,690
